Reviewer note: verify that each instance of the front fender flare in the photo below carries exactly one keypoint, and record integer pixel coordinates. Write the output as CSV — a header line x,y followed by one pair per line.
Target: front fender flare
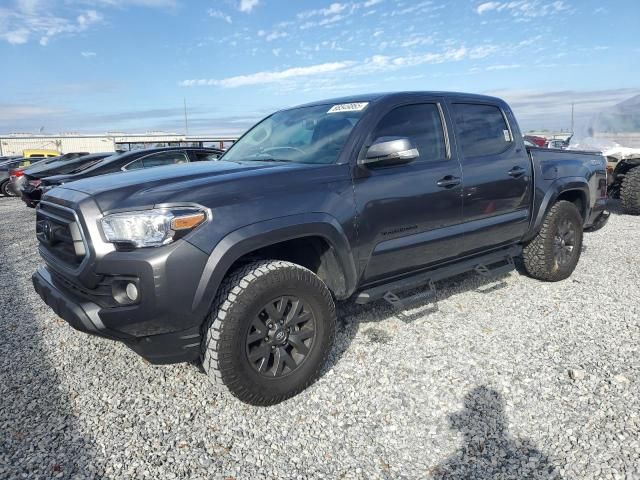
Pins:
x,y
263,234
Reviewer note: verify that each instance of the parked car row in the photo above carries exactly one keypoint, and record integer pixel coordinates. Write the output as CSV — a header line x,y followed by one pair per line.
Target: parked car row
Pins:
x,y
31,179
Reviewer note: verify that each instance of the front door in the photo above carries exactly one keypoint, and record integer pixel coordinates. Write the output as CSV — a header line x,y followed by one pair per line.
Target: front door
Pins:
x,y
407,213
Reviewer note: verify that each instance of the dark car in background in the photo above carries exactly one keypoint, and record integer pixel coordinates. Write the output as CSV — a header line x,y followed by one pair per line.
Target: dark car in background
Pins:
x,y
16,175
7,164
31,177
135,160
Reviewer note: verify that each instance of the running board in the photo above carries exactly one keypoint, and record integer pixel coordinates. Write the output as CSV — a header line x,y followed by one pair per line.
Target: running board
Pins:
x,y
489,265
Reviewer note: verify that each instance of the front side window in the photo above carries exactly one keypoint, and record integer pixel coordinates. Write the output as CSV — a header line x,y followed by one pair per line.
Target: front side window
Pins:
x,y
482,129
301,135
422,124
164,158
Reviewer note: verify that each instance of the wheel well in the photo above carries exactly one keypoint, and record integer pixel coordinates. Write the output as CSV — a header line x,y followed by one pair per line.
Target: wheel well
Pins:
x,y
314,253
576,197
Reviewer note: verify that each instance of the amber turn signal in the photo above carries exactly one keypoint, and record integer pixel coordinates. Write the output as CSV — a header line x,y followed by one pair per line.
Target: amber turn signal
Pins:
x,y
187,222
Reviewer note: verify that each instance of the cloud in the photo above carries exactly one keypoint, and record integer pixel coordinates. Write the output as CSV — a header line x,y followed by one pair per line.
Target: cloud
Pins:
x,y
552,109
502,67
218,14
20,25
248,5
13,112
487,7
275,35
523,8
260,78
43,20
332,9
88,54
376,63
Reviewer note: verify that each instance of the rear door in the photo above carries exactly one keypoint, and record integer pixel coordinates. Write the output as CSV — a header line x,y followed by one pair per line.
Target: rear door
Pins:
x,y
496,170
408,213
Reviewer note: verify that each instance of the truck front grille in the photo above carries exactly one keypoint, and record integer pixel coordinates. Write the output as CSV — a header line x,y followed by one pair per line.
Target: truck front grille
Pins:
x,y
60,234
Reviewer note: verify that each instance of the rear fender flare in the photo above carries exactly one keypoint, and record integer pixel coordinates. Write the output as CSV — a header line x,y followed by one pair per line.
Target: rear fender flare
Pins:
x,y
555,190
270,232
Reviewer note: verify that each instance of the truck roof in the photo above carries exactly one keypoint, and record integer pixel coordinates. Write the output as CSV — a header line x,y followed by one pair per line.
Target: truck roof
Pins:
x,y
399,96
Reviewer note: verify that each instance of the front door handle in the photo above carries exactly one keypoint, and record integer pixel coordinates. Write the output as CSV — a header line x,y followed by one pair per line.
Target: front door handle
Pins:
x,y
516,172
448,182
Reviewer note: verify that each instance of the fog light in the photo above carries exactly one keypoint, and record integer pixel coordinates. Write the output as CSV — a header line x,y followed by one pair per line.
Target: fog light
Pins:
x,y
125,291
132,292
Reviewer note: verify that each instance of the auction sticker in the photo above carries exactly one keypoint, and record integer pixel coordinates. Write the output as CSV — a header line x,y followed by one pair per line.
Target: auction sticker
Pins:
x,y
348,107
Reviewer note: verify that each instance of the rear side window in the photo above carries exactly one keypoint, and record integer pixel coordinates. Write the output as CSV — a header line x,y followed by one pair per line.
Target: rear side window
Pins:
x,y
482,129
206,156
134,165
422,124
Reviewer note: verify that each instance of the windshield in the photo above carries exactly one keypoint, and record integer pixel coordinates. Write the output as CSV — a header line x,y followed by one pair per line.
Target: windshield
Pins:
x,y
302,135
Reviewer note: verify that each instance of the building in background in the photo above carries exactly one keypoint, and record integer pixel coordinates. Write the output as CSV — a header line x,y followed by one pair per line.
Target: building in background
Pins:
x,y
14,144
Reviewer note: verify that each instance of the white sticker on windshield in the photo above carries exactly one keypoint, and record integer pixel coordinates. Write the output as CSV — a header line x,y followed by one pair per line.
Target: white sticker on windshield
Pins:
x,y
507,135
348,107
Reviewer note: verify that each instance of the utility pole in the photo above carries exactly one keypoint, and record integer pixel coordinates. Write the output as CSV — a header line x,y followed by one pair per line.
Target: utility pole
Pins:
x,y
186,121
572,116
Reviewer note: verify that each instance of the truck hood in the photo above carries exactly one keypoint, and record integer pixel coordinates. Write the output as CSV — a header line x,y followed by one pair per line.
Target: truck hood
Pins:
x,y
179,183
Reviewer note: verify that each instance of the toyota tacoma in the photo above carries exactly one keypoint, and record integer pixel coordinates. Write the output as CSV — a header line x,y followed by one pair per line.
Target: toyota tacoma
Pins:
x,y
236,264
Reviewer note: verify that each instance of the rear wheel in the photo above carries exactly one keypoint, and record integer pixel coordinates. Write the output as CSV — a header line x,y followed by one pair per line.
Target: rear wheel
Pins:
x,y
269,332
554,252
6,189
630,192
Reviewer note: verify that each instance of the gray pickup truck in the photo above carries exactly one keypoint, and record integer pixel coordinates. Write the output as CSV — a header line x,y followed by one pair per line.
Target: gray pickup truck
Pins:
x,y
236,263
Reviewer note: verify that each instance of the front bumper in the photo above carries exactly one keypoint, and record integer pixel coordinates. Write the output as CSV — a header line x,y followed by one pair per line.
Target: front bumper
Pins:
x,y
89,317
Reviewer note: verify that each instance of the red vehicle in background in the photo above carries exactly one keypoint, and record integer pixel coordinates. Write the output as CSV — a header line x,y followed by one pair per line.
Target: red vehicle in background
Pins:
x,y
537,141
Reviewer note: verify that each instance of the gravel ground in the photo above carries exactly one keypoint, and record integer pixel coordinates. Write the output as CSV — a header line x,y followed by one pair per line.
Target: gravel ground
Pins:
x,y
509,378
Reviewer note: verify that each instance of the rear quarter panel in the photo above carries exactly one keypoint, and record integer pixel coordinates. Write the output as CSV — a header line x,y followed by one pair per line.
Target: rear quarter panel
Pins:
x,y
558,171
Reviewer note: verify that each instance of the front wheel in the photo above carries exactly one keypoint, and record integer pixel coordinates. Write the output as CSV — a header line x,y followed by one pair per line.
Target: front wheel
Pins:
x,y
269,332
554,252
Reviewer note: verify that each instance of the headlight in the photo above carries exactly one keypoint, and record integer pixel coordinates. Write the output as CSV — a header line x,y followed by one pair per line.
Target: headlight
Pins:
x,y
151,228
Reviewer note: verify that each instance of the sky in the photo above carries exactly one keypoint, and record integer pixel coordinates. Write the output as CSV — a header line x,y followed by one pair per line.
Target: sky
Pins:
x,y
130,65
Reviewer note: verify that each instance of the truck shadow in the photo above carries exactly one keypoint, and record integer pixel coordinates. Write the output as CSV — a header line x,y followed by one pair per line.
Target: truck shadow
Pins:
x,y
40,435
488,450
351,315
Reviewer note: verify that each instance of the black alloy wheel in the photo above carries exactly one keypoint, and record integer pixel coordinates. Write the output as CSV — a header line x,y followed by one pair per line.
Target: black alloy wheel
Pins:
x,y
280,336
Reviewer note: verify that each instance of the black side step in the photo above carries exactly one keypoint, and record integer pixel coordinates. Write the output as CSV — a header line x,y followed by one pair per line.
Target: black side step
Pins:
x,y
489,265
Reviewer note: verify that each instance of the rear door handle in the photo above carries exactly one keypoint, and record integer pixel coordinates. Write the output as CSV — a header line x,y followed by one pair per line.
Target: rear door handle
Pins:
x,y
448,182
517,172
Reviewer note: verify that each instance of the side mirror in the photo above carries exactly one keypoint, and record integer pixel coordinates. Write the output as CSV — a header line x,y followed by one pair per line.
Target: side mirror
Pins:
x,y
389,151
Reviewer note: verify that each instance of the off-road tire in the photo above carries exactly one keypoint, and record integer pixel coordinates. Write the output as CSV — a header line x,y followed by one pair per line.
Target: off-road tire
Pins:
x,y
630,192
6,190
538,256
239,300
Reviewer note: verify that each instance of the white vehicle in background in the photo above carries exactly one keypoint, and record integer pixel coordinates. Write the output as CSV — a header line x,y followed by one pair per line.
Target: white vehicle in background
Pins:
x,y
557,143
